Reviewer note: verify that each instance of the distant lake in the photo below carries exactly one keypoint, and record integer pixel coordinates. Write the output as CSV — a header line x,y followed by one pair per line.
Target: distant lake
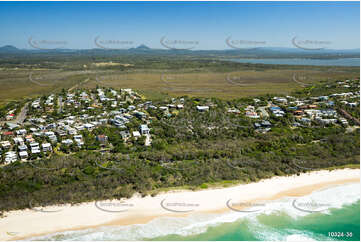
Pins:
x,y
299,61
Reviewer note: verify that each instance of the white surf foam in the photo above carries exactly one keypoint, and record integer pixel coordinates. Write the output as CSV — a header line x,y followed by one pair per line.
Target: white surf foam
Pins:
x,y
335,197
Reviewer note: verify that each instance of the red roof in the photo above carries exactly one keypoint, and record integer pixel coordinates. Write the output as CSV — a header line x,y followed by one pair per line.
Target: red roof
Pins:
x,y
8,133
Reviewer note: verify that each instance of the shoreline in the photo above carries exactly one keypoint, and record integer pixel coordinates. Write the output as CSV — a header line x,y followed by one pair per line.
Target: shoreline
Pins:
x,y
22,224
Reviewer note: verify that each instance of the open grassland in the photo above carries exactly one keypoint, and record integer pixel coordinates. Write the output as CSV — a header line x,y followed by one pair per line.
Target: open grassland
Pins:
x,y
17,83
23,83
224,85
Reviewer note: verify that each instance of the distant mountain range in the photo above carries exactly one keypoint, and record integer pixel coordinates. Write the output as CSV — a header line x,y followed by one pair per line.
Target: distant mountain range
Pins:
x,y
262,52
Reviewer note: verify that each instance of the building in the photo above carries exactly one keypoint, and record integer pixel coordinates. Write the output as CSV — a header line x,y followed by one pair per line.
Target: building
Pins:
x,y
125,134
46,147
5,144
251,114
202,108
35,149
102,138
79,140
22,148
18,140
10,156
23,154
21,132
144,130
67,142
343,121
136,134
234,110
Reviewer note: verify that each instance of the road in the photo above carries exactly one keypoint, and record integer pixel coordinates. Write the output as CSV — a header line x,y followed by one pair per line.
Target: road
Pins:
x,y
76,85
60,104
348,116
148,140
20,117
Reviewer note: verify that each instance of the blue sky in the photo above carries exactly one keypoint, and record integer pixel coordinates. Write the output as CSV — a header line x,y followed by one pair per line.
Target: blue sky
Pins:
x,y
204,25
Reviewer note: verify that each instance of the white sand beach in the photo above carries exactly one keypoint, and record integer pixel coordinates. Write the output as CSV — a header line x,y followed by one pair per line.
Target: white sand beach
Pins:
x,y
27,223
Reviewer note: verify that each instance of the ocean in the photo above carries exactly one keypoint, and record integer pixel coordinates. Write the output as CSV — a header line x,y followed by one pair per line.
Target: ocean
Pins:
x,y
329,214
301,61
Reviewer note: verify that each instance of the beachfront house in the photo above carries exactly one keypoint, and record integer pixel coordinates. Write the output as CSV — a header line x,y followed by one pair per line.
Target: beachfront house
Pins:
x,y
10,156
5,144
22,148
23,155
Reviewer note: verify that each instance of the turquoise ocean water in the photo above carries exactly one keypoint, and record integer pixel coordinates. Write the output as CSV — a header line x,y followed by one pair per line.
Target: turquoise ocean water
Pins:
x,y
281,226
281,220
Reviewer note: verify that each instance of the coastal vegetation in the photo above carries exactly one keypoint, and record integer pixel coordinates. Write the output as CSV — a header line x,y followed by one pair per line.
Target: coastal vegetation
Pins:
x,y
189,149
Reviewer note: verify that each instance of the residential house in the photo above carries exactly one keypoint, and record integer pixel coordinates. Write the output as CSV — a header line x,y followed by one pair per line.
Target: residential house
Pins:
x,y
343,121
46,147
21,132
144,130
102,138
136,134
125,134
10,156
5,144
280,100
23,155
35,149
67,142
79,140
18,140
251,114
234,110
202,108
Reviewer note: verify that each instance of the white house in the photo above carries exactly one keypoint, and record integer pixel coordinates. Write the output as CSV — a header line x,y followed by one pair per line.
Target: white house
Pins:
x,y
67,142
46,147
21,131
144,130
10,156
22,148
5,144
35,150
34,145
18,140
136,134
79,140
23,154
202,108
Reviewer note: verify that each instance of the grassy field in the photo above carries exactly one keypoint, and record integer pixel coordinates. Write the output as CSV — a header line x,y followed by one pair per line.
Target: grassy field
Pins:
x,y
17,83
227,85
23,83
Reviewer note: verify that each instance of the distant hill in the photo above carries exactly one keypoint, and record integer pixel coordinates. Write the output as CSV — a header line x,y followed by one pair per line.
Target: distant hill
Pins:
x,y
8,48
143,47
262,52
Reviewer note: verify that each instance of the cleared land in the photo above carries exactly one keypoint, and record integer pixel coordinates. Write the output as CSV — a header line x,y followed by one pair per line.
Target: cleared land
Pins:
x,y
254,80
227,85
21,83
